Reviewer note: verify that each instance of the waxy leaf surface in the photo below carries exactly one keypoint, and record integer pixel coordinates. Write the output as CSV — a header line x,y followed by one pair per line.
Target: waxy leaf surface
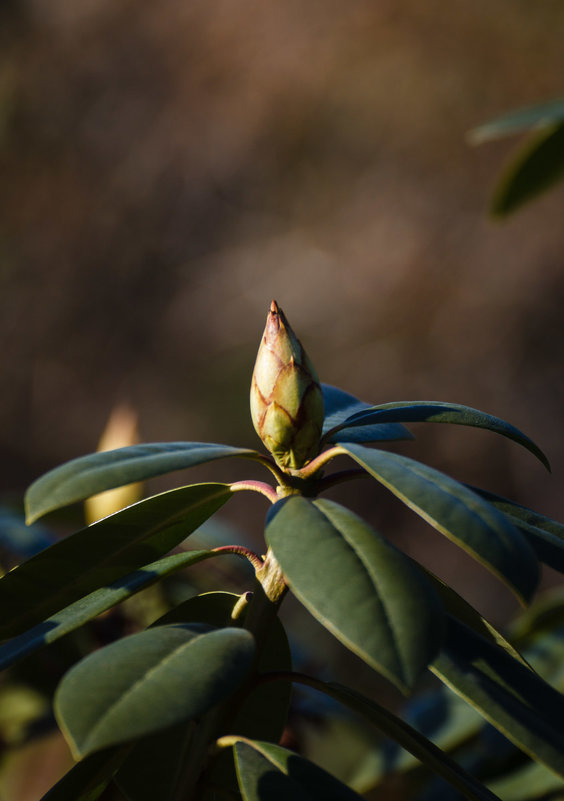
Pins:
x,y
339,406
149,681
103,553
368,594
268,772
508,694
97,472
460,514
436,412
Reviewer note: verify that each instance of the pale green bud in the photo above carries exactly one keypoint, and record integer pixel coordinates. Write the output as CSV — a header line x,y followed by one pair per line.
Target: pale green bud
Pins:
x,y
286,398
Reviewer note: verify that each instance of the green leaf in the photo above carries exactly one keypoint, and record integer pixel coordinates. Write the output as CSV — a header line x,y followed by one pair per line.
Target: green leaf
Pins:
x,y
87,780
458,513
368,594
531,781
103,553
149,681
156,761
406,736
95,603
545,535
97,472
519,120
536,167
267,772
509,695
437,412
339,406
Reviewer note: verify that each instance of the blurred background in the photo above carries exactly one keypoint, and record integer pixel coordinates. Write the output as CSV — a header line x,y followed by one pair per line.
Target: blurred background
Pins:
x,y
167,169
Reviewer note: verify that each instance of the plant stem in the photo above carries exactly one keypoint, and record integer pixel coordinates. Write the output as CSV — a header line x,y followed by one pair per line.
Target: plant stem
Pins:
x,y
256,486
316,464
240,550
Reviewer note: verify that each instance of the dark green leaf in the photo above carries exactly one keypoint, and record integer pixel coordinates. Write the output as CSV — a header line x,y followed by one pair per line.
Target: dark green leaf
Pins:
x,y
406,736
103,553
149,681
535,168
519,120
437,412
267,772
87,780
529,782
368,594
339,406
458,513
91,605
97,472
509,695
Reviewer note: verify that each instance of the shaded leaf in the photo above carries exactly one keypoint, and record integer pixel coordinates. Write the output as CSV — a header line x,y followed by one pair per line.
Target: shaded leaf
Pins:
x,y
519,120
406,736
339,406
103,553
531,781
149,681
458,513
97,472
535,168
78,613
437,412
267,772
87,780
509,695
545,535
368,594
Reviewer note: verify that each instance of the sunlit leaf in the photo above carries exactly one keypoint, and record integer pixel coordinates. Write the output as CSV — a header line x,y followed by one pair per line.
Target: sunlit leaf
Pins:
x,y
458,513
436,412
529,782
357,585
97,472
149,681
520,120
103,553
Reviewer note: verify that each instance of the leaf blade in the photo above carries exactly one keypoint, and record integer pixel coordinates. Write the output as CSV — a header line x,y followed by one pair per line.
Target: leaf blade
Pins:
x,y
98,472
458,513
148,681
357,585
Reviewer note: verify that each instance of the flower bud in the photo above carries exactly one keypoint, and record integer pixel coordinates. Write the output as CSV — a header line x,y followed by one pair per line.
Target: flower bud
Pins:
x,y
286,398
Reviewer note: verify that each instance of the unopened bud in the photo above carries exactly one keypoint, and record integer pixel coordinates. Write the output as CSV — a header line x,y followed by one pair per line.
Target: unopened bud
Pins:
x,y
286,398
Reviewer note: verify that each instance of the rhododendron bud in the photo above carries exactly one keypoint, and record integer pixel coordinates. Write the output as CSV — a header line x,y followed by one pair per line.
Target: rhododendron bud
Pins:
x,y
286,398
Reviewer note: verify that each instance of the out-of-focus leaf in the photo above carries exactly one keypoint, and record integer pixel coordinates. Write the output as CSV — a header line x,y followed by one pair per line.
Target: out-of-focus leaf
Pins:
x,y
436,412
368,594
267,772
404,735
95,603
509,695
535,168
97,472
149,681
527,783
87,780
519,120
458,513
339,406
103,553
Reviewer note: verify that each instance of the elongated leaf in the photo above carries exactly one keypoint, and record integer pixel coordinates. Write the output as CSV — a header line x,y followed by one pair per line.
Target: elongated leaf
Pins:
x,y
519,120
97,472
510,696
267,772
529,782
436,412
535,168
458,513
339,406
148,681
405,735
368,594
103,553
87,780
545,535
91,605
